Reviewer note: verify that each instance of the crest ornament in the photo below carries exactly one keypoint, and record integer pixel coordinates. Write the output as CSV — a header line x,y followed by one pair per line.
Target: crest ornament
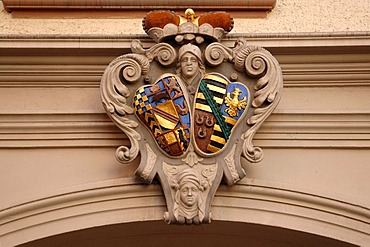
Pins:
x,y
194,122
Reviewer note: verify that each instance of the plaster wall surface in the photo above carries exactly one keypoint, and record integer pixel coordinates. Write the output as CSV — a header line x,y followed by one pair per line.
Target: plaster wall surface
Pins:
x,y
288,16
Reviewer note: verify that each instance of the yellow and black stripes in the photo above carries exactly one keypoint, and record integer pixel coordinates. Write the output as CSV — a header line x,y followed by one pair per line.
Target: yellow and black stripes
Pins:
x,y
217,140
217,87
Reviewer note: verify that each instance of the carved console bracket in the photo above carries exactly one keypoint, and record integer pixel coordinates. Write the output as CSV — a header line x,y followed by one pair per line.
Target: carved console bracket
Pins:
x,y
191,107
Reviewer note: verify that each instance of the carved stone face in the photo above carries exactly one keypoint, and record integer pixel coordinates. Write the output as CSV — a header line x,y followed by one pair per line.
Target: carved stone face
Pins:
x,y
189,65
189,193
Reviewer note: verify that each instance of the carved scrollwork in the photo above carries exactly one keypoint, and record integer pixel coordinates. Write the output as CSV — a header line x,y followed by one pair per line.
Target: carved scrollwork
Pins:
x,y
260,63
217,53
130,66
241,55
164,53
114,94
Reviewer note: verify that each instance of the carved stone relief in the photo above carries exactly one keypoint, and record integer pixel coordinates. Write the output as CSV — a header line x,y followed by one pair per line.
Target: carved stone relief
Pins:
x,y
195,120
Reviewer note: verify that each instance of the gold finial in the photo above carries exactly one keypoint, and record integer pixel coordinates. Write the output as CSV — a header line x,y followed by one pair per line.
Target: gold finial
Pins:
x,y
190,15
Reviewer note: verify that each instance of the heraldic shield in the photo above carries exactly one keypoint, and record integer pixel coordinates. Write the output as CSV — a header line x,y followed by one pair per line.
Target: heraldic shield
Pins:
x,y
163,109
190,106
218,107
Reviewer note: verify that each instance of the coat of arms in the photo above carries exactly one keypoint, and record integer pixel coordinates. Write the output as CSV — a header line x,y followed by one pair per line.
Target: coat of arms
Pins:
x,y
190,106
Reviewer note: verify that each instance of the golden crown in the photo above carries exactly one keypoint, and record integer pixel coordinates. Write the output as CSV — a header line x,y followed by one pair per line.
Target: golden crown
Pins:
x,y
162,25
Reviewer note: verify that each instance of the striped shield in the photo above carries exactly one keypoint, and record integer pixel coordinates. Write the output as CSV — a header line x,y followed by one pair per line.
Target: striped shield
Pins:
x,y
163,109
219,104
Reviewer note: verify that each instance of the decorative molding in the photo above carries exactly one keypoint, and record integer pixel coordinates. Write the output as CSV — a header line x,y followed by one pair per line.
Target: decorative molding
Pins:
x,y
340,41
281,130
327,73
242,8
117,197
140,4
58,130
306,59
316,130
50,76
307,74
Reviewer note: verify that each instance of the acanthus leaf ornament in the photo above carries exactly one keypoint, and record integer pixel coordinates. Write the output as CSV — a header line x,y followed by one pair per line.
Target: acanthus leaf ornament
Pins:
x,y
195,120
